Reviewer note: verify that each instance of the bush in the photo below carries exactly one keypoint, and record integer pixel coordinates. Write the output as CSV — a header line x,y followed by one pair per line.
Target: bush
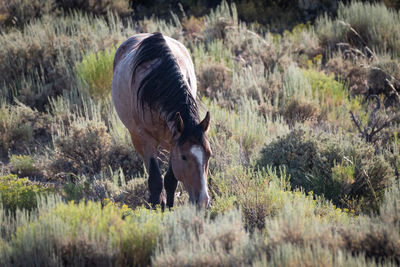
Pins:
x,y
331,94
302,230
214,80
353,73
23,165
232,146
38,62
263,194
87,148
375,240
19,193
70,234
362,24
249,190
301,110
22,129
366,239
218,242
20,12
99,7
223,16
344,170
384,79
333,98
379,76
193,26
95,73
134,194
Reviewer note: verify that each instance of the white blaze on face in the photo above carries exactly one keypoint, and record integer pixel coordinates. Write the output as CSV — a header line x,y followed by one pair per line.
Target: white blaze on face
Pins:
x,y
198,153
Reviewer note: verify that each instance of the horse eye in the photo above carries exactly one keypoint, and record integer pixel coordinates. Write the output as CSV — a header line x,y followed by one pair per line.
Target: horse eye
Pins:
x,y
183,157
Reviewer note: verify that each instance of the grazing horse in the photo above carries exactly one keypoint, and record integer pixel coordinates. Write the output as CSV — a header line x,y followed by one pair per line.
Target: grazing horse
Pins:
x,y
154,93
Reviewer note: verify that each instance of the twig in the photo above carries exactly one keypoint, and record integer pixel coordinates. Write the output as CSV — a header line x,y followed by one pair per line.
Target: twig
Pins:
x,y
356,123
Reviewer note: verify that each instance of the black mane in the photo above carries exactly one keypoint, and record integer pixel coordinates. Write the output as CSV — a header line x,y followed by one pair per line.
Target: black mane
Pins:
x,y
164,88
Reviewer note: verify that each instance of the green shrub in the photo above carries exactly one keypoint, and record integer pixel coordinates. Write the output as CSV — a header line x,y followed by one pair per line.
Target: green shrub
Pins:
x,y
231,145
330,93
263,194
312,255
375,240
303,230
23,165
19,193
71,234
344,170
362,24
95,73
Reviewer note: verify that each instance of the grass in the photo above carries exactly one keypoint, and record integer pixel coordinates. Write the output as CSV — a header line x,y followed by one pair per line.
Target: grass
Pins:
x,y
291,182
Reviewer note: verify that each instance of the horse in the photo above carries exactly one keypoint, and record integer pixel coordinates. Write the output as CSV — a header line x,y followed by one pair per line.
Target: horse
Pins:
x,y
154,93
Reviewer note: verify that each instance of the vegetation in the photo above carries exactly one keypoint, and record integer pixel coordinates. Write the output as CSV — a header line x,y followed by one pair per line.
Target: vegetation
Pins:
x,y
18,193
304,133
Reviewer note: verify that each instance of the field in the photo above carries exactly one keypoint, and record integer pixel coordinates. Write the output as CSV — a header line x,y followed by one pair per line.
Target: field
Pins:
x,y
305,129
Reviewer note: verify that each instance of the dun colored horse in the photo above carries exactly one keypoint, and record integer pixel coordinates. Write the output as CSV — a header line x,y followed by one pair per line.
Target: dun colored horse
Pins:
x,y
154,93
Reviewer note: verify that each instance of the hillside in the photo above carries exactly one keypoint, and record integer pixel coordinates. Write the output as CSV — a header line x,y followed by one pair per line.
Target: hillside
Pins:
x,y
304,132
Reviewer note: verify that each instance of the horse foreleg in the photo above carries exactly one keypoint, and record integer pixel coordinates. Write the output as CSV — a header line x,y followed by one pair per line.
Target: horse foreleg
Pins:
x,y
170,184
155,184
147,148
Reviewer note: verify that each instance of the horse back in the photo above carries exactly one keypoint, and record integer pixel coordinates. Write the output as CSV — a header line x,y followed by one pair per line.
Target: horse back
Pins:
x,y
126,84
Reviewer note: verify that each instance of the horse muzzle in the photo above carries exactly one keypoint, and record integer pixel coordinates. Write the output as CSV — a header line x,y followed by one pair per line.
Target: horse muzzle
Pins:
x,y
201,199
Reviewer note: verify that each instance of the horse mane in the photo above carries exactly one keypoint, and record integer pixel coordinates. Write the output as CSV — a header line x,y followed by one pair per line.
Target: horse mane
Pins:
x,y
164,87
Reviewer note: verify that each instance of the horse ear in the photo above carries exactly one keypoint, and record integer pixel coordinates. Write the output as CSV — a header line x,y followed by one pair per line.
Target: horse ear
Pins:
x,y
179,123
205,124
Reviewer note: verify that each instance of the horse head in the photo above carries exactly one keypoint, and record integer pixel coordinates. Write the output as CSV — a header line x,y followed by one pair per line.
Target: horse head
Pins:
x,y
189,158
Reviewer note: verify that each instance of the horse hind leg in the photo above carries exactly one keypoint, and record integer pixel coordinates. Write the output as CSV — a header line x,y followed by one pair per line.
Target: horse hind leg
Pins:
x,y
170,184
